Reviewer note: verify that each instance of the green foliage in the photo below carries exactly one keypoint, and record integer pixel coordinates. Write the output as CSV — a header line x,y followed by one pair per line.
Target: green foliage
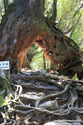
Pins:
x,y
6,100
33,51
2,12
75,77
35,56
2,9
48,8
77,68
37,61
70,14
1,100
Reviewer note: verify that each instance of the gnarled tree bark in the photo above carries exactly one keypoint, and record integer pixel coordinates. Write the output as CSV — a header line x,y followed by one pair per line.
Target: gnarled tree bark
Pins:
x,y
25,24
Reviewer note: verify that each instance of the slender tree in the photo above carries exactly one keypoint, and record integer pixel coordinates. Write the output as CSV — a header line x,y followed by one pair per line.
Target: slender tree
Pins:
x,y
5,4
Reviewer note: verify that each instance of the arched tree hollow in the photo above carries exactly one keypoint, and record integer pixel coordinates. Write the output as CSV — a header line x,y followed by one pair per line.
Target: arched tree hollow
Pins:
x,y
24,24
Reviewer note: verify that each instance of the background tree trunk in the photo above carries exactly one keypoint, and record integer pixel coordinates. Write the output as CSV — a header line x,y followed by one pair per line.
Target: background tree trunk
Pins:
x,y
44,61
5,5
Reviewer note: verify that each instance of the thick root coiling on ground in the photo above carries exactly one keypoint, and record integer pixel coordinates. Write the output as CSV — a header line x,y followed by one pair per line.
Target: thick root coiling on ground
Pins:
x,y
31,89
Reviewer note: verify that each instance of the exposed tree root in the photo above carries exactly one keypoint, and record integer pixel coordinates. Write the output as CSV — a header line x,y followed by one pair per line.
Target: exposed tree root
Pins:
x,y
30,91
53,95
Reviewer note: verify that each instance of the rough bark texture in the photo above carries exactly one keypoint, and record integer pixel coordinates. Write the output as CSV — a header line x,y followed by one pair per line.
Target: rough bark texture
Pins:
x,y
24,24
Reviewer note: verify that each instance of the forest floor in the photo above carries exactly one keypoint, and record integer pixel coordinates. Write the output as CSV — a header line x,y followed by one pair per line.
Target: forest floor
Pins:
x,y
47,99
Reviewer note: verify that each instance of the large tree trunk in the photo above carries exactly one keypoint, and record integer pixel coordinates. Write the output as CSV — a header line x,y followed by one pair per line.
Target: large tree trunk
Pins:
x,y
21,29
25,24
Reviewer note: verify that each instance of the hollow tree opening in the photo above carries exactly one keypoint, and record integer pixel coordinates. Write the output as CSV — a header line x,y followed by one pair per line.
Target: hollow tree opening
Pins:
x,y
24,24
33,60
